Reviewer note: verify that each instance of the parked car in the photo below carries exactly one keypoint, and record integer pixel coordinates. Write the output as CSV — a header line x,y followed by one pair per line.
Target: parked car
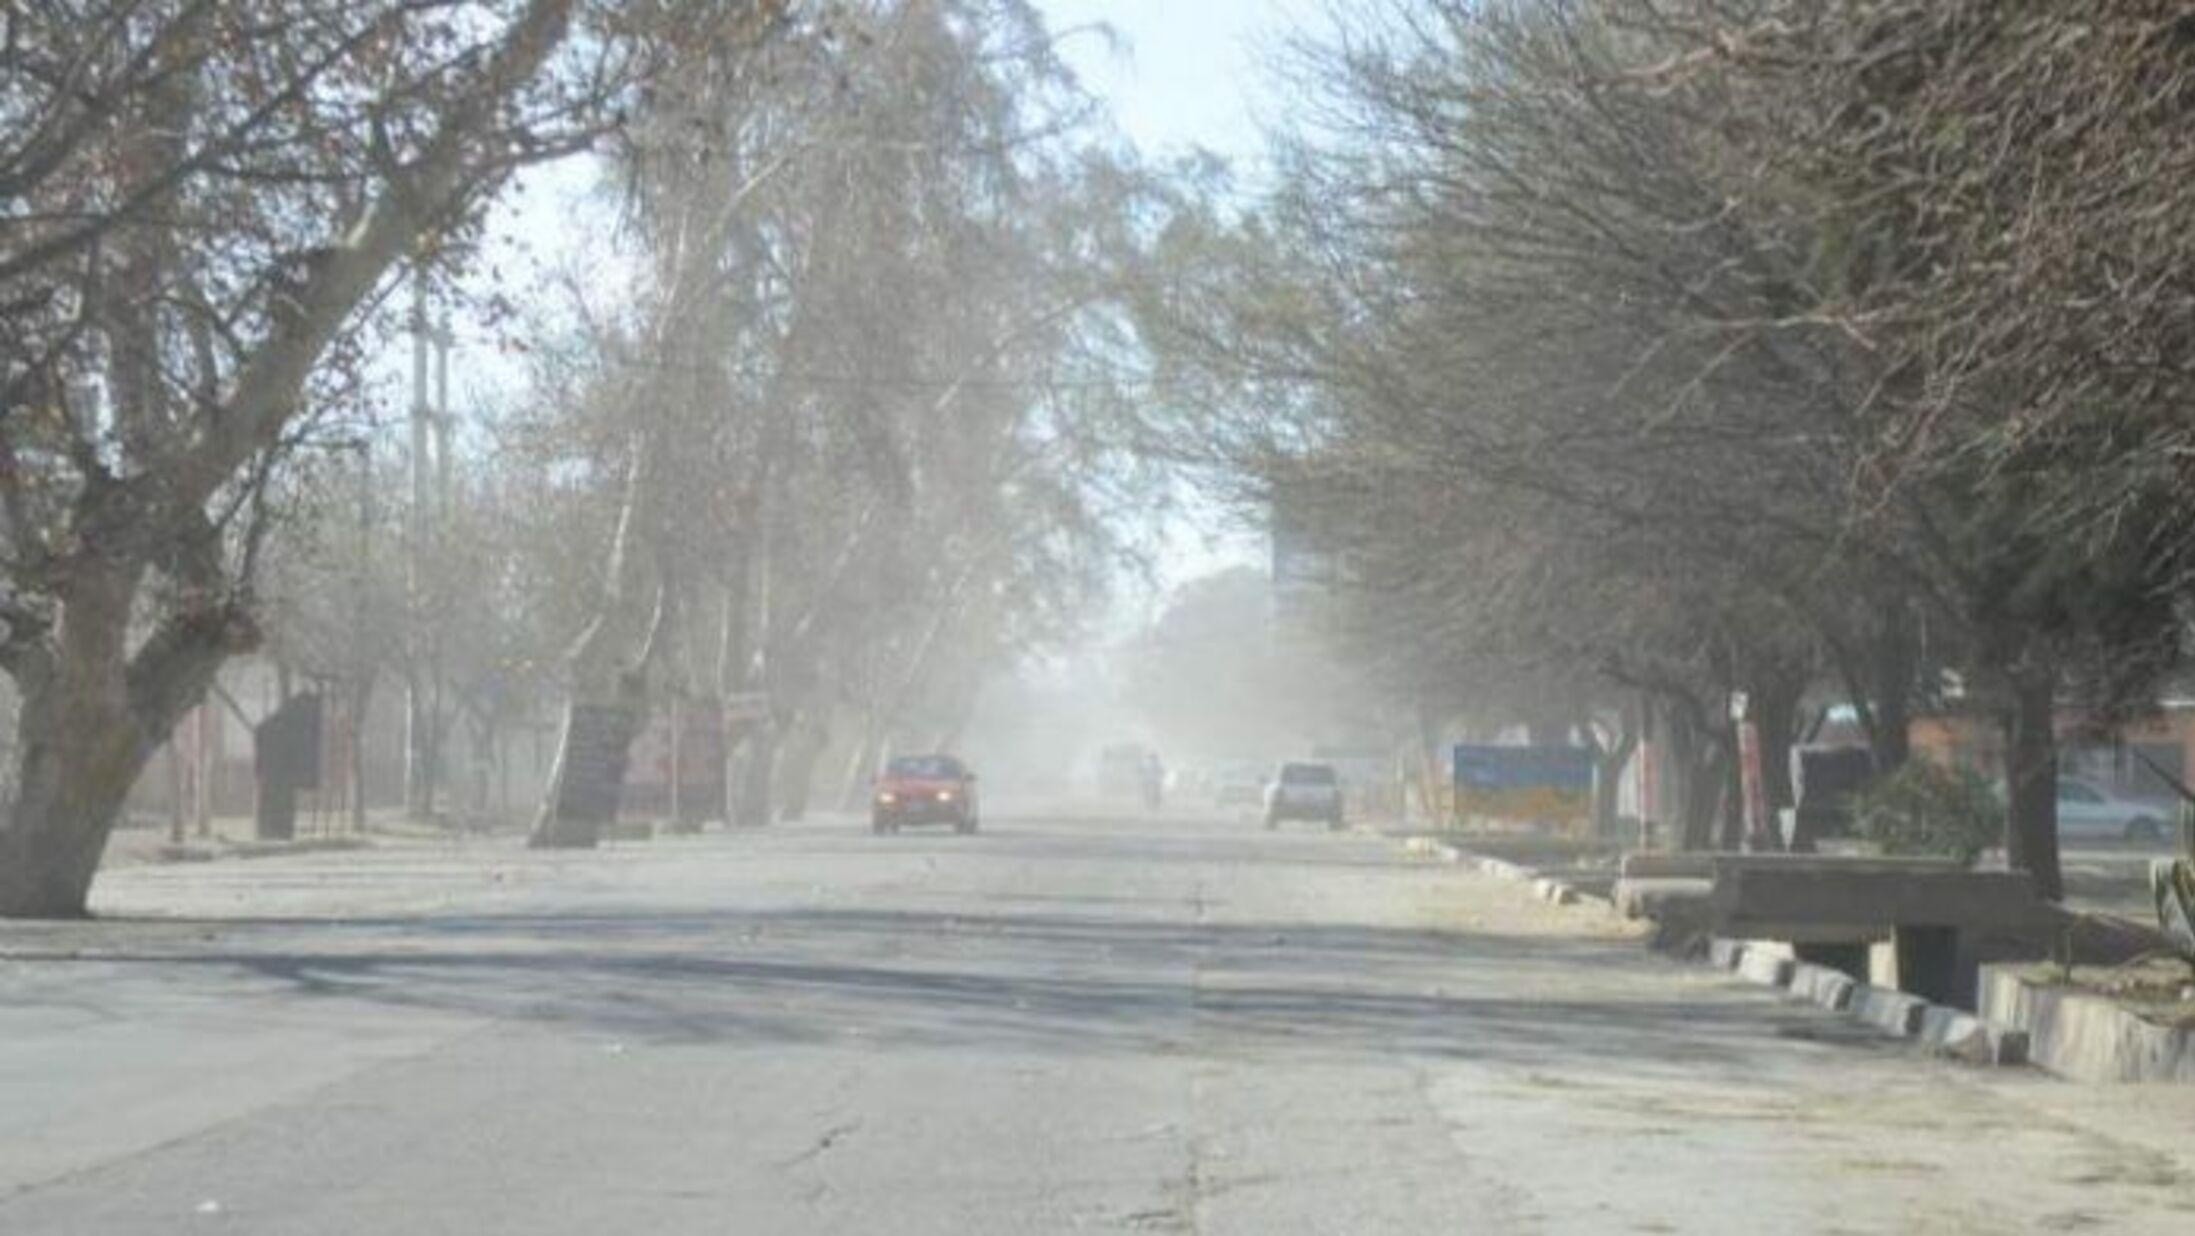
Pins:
x,y
1304,791
2088,812
924,789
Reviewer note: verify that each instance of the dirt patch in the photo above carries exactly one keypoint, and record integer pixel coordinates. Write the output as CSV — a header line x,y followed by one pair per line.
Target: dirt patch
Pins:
x,y
1535,849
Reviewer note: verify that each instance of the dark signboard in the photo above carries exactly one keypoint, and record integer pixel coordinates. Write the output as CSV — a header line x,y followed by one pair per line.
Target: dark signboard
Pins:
x,y
286,758
598,744
286,746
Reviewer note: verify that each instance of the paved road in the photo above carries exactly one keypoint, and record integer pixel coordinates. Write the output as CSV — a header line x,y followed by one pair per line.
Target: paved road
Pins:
x,y
1060,1025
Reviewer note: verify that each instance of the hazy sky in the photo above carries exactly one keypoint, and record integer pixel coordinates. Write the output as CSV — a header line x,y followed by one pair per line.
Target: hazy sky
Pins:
x,y
1189,73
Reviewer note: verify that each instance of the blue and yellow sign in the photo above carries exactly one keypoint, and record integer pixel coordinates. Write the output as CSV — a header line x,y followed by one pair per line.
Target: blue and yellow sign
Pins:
x,y
1548,785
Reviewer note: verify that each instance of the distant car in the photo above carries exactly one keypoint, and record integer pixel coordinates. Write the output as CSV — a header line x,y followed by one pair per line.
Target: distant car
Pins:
x,y
1304,791
924,789
1239,787
2088,812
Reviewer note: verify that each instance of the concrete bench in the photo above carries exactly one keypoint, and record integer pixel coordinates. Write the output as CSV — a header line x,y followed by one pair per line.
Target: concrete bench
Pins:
x,y
1832,909
1942,918
1651,884
1693,866
1706,864
1836,900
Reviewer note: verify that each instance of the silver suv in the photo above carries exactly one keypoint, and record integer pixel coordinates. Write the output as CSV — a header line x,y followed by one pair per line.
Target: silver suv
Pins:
x,y
1304,791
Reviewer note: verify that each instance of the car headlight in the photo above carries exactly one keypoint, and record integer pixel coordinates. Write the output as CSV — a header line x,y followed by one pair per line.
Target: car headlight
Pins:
x,y
945,796
887,798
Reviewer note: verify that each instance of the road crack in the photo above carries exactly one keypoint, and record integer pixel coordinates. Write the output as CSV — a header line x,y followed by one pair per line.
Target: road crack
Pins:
x,y
824,1142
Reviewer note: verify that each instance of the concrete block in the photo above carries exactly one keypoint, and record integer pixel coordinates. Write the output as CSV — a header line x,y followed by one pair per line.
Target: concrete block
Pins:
x,y
1888,1009
1831,989
1949,1032
1506,869
1433,848
1759,965
1555,891
1963,1036
1724,953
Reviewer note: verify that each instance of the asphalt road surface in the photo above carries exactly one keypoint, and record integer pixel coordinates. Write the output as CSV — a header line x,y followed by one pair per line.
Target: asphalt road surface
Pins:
x,y
1060,1025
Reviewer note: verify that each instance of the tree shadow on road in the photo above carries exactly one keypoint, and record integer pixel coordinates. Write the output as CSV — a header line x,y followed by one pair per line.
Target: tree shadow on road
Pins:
x,y
1034,983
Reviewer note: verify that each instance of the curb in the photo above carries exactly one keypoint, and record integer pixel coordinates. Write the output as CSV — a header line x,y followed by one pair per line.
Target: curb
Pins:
x,y
2084,1036
1768,969
205,852
1546,888
1944,1031
1831,989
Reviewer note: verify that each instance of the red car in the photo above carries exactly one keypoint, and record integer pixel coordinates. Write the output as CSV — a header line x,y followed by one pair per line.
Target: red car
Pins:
x,y
924,789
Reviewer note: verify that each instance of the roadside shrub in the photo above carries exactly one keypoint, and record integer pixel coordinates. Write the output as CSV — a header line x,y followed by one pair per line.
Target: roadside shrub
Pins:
x,y
1926,809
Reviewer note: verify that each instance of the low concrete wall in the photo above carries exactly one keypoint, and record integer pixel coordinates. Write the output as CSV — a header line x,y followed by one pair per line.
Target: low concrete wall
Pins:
x,y
1939,1029
2085,1037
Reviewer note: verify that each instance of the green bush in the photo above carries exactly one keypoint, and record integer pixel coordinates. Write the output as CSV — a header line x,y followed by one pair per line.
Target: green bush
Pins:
x,y
1923,808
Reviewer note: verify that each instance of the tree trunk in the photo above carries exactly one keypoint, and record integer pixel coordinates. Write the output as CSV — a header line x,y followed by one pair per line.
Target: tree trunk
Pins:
x,y
755,790
1609,764
1892,668
2031,775
178,791
91,719
677,809
1431,768
861,768
358,706
1774,710
423,743
63,815
1730,801
796,774
1699,776
206,738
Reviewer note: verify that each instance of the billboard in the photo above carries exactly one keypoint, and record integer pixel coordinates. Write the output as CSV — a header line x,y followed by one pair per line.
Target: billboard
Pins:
x,y
1526,785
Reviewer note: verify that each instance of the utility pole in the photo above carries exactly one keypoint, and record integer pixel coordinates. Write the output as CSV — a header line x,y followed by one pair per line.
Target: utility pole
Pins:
x,y
418,699
437,740
430,478
358,705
